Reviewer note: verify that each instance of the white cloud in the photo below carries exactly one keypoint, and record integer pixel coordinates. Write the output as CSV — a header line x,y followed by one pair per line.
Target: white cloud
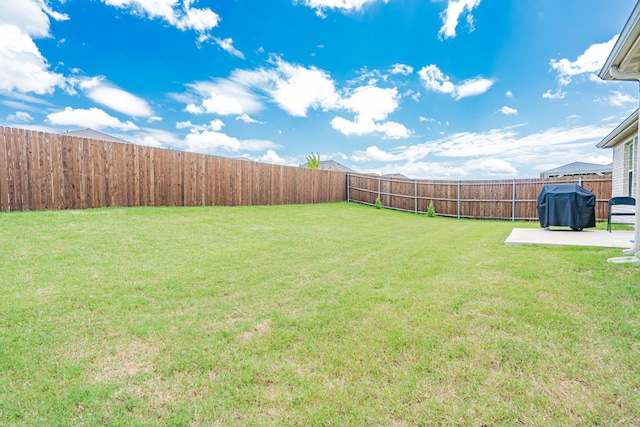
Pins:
x,y
487,168
509,94
16,105
373,153
496,152
342,5
19,117
296,88
415,95
29,99
360,126
599,160
211,142
402,69
22,66
147,140
223,97
435,80
272,157
508,110
554,95
213,125
619,99
227,45
154,119
155,138
588,62
247,119
492,167
94,118
104,93
177,13
451,15
509,145
184,125
31,16
473,87
371,104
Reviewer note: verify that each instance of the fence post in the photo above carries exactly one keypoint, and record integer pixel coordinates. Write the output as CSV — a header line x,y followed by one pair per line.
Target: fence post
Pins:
x,y
415,192
513,202
458,199
348,187
379,189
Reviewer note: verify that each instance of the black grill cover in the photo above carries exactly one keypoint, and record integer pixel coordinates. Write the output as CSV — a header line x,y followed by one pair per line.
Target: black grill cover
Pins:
x,y
566,205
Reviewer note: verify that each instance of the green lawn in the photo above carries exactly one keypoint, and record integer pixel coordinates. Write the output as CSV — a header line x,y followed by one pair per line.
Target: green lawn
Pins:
x,y
330,314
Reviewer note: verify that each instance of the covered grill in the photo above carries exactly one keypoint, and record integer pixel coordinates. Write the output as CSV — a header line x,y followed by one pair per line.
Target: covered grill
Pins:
x,y
567,205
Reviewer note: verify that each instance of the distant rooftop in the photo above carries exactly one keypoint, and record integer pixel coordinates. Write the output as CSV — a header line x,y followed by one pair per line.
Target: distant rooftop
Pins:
x,y
94,134
332,165
395,175
578,168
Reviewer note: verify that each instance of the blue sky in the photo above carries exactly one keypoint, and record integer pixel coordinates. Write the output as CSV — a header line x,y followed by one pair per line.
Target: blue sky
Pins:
x,y
457,89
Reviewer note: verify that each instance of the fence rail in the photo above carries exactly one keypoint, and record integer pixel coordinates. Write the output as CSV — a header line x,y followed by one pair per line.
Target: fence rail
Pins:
x,y
48,171
495,199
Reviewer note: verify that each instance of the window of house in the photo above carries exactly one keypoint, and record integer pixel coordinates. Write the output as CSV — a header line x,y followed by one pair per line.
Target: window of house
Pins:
x,y
630,169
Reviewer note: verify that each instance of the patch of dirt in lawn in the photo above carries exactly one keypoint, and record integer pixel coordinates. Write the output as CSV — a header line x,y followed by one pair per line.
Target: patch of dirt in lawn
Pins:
x,y
125,361
260,328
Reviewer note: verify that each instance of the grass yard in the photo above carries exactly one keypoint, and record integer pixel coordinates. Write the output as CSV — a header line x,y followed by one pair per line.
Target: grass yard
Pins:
x,y
330,314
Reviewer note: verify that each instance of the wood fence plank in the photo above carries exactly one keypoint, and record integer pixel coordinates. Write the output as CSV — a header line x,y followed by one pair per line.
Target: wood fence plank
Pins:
x,y
144,176
29,183
12,169
121,173
112,173
136,175
22,178
180,180
56,173
35,173
129,153
5,206
46,167
65,159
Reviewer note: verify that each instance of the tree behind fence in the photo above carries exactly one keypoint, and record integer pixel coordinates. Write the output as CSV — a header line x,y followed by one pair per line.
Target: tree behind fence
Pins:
x,y
497,199
49,171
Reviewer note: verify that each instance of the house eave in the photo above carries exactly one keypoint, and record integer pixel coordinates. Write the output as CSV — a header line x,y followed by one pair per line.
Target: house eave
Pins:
x,y
626,52
627,129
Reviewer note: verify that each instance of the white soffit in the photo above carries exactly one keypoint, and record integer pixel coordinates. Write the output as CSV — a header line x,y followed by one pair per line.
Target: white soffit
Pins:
x,y
631,62
626,52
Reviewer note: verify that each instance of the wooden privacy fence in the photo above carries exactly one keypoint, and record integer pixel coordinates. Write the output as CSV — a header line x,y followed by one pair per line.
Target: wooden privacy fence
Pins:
x,y
500,199
49,171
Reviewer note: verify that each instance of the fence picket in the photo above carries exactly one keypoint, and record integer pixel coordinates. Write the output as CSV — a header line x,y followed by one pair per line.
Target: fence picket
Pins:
x,y
4,174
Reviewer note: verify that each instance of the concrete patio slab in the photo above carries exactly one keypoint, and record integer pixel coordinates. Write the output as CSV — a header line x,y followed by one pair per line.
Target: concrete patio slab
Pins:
x,y
566,237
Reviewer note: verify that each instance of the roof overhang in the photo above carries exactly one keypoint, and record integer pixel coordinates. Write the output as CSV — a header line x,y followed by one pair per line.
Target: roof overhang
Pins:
x,y
625,54
625,130
623,63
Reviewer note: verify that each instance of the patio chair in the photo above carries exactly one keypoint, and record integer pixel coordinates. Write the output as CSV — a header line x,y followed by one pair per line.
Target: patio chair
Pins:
x,y
616,201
